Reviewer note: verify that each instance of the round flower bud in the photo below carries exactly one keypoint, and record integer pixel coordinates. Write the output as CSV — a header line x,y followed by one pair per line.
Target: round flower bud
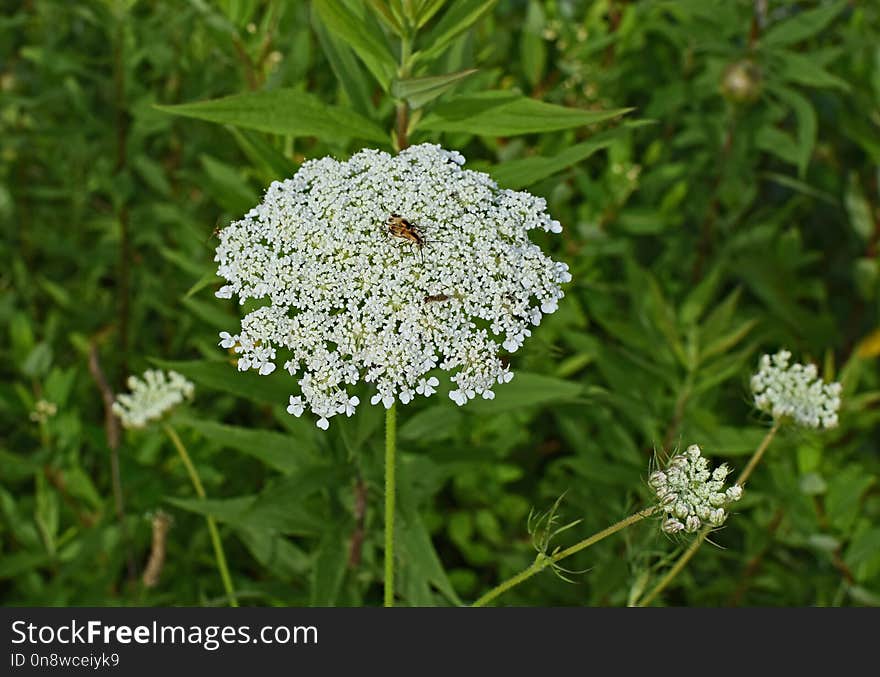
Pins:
x,y
742,82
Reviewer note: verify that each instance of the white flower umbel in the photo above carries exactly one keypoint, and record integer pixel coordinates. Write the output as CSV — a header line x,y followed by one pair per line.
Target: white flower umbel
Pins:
x,y
691,494
151,397
795,391
343,299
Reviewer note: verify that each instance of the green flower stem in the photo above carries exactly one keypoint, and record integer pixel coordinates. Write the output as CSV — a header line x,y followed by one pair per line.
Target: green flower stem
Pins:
x,y
390,461
701,536
212,524
759,453
542,562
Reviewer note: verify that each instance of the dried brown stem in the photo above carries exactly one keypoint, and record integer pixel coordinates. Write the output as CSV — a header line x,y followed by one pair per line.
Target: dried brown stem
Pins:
x,y
111,430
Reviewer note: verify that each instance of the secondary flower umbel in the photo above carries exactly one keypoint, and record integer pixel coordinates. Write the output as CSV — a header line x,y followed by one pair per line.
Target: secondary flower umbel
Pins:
x,y
690,494
151,397
795,391
345,297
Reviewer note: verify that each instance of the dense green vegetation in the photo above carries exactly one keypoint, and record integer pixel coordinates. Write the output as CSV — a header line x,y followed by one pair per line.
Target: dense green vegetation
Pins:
x,y
734,210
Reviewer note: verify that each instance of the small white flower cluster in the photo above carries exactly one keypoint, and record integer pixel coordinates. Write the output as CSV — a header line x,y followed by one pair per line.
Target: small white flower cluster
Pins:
x,y
345,297
43,411
151,397
690,494
795,391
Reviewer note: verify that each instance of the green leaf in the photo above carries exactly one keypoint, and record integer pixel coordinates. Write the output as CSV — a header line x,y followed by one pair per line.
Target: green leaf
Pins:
x,y
522,172
807,125
208,279
383,12
277,450
221,375
802,25
419,91
845,489
800,187
362,34
533,48
526,390
345,66
420,559
778,143
13,565
858,208
696,302
456,20
250,512
729,440
426,10
211,313
863,555
804,70
438,422
283,111
272,164
226,510
79,485
275,552
153,174
501,113
328,571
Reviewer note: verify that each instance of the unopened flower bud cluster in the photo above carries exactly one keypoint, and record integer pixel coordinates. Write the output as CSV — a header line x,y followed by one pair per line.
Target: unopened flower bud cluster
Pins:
x,y
795,391
43,411
151,397
343,299
692,495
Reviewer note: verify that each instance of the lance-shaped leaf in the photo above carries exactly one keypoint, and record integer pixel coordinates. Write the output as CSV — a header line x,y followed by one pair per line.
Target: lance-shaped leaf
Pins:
x,y
348,70
807,125
282,111
363,35
427,9
524,172
383,11
419,91
499,113
802,25
456,20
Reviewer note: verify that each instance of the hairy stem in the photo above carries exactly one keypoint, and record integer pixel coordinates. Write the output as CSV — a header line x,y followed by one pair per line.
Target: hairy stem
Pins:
x,y
390,462
701,536
219,555
542,562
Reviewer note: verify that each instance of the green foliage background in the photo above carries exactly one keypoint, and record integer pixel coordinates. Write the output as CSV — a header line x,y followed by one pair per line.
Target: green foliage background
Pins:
x,y
734,210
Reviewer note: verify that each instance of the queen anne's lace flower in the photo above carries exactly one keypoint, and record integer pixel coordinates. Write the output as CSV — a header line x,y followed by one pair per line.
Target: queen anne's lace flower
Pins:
x,y
691,494
795,391
343,299
151,397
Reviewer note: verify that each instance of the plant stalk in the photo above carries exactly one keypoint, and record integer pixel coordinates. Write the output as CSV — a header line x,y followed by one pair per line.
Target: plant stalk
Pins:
x,y
543,562
219,555
390,488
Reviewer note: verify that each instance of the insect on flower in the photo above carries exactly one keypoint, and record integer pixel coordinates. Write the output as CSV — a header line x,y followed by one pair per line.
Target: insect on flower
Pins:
x,y
436,298
405,229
